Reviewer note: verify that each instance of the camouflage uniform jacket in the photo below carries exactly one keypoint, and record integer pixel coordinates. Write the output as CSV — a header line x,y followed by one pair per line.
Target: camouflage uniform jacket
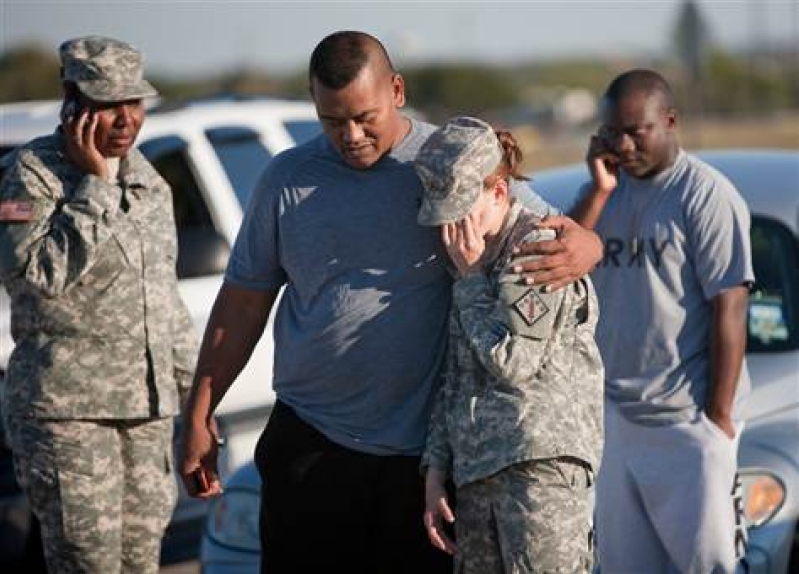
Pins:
x,y
512,396
99,328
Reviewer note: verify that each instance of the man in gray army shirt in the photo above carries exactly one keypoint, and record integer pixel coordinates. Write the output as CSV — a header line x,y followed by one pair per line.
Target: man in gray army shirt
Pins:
x,y
104,347
674,287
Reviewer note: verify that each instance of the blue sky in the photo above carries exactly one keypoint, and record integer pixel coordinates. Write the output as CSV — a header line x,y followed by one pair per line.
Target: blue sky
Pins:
x,y
190,38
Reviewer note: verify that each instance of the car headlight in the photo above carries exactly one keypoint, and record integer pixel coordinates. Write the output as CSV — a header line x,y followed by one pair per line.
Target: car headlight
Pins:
x,y
233,519
763,496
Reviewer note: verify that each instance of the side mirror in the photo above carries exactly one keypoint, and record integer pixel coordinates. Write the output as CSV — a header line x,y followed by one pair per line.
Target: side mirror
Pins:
x,y
201,251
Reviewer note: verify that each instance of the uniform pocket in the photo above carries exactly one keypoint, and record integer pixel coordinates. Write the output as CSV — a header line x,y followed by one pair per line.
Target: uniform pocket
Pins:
x,y
38,478
576,475
556,472
77,488
72,457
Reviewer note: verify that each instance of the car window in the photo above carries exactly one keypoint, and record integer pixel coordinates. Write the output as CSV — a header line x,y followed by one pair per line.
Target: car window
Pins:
x,y
774,300
303,130
243,157
168,156
201,250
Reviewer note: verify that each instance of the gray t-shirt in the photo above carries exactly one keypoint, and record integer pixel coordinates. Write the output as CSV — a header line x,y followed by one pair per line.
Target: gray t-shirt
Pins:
x,y
672,243
360,331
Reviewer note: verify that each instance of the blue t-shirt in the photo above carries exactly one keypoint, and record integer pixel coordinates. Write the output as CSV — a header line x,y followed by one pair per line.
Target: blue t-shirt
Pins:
x,y
672,243
361,327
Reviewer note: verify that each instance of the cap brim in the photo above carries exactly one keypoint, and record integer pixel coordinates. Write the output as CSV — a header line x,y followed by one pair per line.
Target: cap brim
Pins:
x,y
440,212
102,91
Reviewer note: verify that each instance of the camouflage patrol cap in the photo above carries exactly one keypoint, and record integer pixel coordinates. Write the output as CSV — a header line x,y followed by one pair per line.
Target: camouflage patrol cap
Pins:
x,y
453,164
104,69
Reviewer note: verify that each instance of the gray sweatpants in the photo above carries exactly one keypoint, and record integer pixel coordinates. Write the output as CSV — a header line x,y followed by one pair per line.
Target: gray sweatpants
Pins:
x,y
665,498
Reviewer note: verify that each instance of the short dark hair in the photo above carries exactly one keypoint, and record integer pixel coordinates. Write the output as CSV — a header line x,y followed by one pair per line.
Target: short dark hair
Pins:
x,y
339,58
640,80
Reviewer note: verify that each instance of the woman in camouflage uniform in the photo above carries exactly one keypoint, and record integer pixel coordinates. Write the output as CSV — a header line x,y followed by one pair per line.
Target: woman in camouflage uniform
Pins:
x,y
104,347
517,424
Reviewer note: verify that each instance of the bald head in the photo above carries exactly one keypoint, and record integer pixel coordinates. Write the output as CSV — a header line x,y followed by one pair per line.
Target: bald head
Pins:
x,y
340,57
640,81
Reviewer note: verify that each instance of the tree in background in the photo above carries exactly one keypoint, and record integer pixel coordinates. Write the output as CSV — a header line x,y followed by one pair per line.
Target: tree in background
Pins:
x,y
740,88
762,80
29,73
692,43
441,90
713,81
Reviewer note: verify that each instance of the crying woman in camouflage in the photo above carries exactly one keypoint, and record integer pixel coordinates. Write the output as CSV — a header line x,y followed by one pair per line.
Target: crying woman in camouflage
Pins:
x,y
517,423
104,347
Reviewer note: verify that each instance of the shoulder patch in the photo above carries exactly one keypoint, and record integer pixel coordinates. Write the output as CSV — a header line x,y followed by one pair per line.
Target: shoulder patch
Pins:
x,y
531,307
16,211
527,310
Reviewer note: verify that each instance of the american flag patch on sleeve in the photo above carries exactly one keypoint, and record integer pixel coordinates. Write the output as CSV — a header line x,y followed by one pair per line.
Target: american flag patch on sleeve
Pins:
x,y
16,210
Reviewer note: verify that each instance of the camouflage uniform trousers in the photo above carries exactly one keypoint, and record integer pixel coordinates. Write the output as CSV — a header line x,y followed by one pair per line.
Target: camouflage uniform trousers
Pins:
x,y
532,517
103,491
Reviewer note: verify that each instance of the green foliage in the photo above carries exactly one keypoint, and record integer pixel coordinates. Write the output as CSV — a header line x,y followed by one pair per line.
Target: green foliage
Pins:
x,y
295,85
242,81
442,90
591,75
735,85
29,73
716,82
729,84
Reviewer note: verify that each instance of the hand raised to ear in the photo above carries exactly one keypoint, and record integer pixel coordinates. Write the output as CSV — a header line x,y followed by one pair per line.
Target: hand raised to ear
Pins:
x,y
81,149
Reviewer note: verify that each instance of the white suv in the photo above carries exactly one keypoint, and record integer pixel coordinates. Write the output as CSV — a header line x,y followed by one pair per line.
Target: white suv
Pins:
x,y
212,153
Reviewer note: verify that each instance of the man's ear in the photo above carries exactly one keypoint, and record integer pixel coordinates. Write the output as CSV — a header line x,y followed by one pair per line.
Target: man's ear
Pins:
x,y
671,118
311,83
398,88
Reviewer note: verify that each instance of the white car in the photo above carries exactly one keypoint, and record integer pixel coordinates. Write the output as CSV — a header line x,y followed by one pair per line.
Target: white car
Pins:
x,y
211,153
769,450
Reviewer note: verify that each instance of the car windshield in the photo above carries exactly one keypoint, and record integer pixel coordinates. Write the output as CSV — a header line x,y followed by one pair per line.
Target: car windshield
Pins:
x,y
243,157
774,301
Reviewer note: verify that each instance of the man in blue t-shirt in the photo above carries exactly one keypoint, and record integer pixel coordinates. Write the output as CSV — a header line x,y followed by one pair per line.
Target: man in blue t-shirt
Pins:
x,y
360,330
673,291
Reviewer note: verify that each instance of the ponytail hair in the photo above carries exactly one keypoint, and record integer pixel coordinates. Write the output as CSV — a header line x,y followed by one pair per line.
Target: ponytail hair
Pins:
x,y
509,166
